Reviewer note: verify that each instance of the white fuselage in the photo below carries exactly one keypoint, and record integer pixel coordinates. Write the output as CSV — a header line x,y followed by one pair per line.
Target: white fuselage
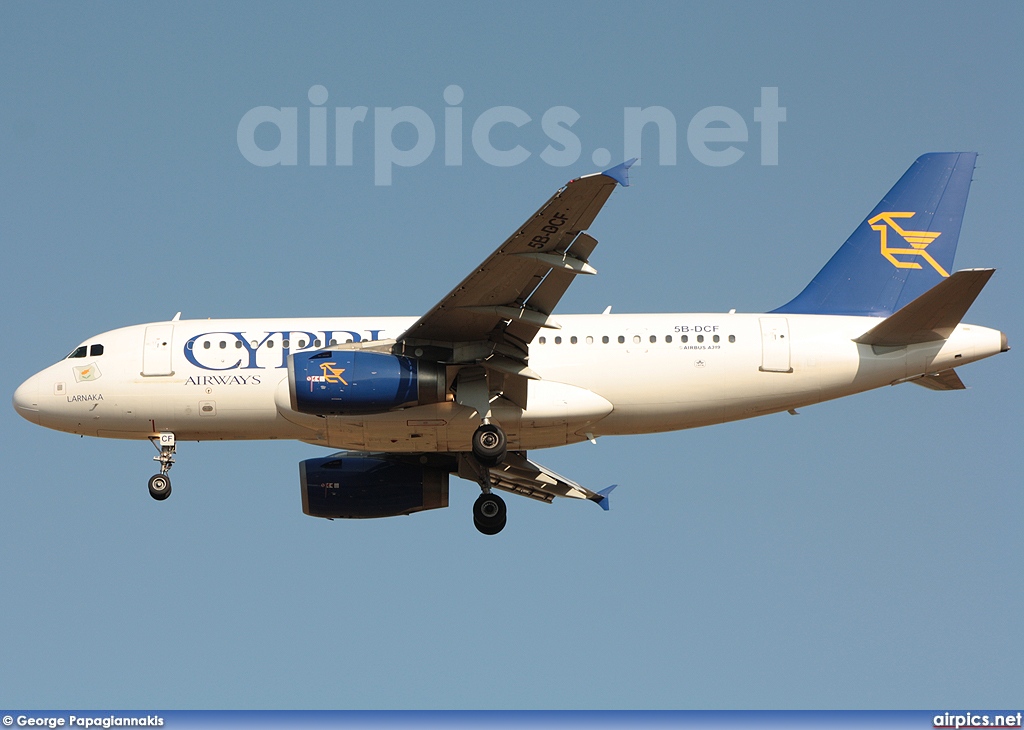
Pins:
x,y
600,375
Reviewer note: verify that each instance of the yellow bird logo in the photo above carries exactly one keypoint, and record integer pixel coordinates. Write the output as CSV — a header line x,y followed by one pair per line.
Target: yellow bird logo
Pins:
x,y
918,241
332,374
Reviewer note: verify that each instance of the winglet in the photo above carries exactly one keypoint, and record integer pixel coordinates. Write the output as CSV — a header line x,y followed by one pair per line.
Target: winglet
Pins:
x,y
604,497
620,173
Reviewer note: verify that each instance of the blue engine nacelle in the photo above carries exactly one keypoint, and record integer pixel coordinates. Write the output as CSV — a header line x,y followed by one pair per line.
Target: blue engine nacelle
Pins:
x,y
360,486
343,382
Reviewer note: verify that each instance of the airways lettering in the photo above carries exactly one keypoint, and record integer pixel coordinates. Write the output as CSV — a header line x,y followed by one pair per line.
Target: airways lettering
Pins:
x,y
223,380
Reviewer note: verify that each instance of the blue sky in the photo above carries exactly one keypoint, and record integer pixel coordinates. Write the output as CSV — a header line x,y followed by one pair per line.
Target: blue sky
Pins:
x,y
866,553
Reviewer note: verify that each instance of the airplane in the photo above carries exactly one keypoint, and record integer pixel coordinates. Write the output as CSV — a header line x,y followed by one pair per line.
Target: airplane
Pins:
x,y
490,374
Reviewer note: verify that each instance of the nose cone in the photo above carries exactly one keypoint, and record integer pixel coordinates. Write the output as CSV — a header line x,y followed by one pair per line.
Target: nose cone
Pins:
x,y
26,400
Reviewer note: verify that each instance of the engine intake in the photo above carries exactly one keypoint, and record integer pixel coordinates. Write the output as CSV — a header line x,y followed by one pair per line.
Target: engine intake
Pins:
x,y
359,486
342,382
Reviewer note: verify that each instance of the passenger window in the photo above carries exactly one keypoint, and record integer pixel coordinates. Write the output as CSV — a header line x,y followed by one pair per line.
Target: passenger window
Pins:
x,y
206,345
542,340
621,339
636,339
316,342
285,343
238,344
654,338
732,338
270,344
223,345
302,344
590,340
716,338
685,338
333,343
96,350
573,339
77,352
558,340
668,338
700,338
605,339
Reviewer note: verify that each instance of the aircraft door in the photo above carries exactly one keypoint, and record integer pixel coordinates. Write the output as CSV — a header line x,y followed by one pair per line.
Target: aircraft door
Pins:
x,y
156,351
775,345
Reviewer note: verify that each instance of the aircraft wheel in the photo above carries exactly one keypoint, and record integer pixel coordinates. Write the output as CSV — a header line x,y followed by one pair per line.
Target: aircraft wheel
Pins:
x,y
489,444
489,514
160,487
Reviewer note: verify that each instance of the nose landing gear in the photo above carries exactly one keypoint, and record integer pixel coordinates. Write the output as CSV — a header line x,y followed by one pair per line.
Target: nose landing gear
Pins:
x,y
159,487
160,484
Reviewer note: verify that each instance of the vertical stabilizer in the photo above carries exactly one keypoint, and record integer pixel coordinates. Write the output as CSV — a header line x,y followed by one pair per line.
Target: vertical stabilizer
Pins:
x,y
903,248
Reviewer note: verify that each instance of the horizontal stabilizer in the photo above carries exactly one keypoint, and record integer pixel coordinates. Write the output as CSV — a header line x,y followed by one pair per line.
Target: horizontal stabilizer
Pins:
x,y
944,380
933,315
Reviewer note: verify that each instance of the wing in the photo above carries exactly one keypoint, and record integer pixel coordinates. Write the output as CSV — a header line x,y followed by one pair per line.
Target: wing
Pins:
x,y
519,475
494,313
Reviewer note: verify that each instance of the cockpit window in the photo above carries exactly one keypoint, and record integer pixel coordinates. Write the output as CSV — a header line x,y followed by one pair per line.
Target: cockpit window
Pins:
x,y
77,352
95,350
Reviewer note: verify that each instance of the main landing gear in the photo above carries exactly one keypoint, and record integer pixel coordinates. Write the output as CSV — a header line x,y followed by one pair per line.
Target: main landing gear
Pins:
x,y
160,484
489,448
489,513
489,444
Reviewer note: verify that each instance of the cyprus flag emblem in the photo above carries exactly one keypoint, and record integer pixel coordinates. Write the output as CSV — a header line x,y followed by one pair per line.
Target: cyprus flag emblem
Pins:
x,y
84,373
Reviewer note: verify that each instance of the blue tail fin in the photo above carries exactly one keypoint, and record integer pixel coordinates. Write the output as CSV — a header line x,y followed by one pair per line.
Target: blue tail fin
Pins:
x,y
902,249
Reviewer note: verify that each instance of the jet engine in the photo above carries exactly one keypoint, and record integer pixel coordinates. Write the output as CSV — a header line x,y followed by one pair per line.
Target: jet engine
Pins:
x,y
345,382
353,486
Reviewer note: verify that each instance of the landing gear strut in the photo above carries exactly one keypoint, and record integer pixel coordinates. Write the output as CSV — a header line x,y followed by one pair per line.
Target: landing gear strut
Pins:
x,y
160,484
489,513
